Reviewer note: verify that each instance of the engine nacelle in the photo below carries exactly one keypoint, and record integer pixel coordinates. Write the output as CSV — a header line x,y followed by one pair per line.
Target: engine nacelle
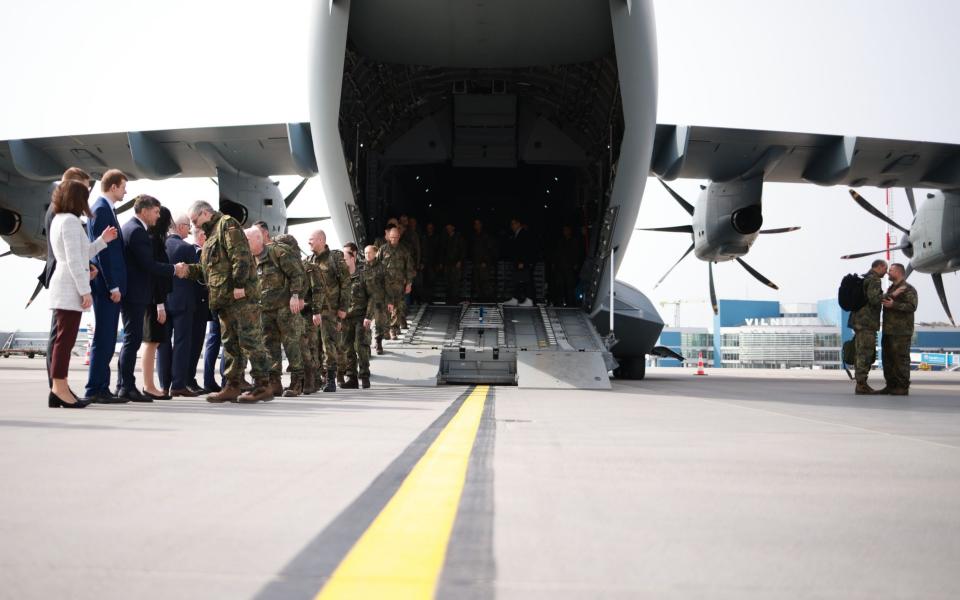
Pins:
x,y
248,199
10,222
727,219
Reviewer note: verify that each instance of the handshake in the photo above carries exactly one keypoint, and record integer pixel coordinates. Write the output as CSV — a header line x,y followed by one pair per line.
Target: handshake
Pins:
x,y
181,270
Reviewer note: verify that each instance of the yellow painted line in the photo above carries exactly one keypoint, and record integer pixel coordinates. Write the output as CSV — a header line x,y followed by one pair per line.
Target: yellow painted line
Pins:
x,y
402,552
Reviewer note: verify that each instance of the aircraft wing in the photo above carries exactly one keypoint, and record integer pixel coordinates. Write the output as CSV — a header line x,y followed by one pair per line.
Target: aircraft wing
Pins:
x,y
719,154
262,150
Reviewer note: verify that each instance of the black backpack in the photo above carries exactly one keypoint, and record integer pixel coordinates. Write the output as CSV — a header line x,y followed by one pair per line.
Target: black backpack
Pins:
x,y
850,295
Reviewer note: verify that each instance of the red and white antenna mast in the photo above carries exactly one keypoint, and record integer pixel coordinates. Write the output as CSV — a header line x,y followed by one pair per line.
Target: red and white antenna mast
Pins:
x,y
891,236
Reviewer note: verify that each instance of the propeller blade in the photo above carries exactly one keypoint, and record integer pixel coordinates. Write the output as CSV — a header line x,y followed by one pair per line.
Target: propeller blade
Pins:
x,y
214,181
689,250
756,274
125,206
862,254
911,200
938,283
780,230
7,253
293,195
302,220
36,292
875,212
674,229
713,290
686,205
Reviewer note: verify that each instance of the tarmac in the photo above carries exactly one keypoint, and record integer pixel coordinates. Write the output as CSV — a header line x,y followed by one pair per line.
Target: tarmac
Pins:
x,y
740,484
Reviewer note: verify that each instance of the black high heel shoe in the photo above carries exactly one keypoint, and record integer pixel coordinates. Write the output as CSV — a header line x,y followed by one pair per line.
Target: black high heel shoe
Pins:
x,y
54,401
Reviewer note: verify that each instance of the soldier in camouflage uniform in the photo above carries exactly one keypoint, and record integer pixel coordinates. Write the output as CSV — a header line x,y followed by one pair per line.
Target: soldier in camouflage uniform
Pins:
x,y
228,267
310,346
398,273
380,308
483,255
865,323
281,288
899,304
380,242
366,297
328,301
453,254
430,264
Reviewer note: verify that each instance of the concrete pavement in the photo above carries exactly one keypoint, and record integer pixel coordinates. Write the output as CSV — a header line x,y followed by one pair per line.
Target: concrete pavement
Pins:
x,y
739,484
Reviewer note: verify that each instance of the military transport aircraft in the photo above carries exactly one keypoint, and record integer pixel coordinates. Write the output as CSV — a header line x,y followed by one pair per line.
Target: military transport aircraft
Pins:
x,y
500,106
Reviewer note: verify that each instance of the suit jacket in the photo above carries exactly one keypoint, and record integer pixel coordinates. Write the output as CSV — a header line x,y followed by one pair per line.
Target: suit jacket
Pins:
x,y
51,264
522,247
183,296
143,267
110,262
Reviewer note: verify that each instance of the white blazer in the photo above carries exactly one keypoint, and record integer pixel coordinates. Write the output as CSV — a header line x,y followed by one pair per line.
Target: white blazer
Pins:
x,y
73,251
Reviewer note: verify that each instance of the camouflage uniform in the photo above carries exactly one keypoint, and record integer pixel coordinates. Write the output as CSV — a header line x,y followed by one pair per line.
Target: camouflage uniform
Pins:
x,y
366,297
865,323
897,335
430,258
380,316
398,271
310,341
454,252
226,264
483,254
328,294
281,276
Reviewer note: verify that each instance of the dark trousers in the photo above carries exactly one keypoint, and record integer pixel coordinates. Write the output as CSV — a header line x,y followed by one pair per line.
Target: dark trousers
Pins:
x,y
200,316
132,314
68,324
50,339
107,314
173,355
211,351
896,360
523,282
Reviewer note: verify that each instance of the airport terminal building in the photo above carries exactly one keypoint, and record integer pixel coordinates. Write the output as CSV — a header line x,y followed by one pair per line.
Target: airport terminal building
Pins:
x,y
759,334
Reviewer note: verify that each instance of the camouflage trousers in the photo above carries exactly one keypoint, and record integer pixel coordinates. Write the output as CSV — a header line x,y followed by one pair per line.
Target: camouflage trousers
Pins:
x,y
241,333
395,297
865,345
453,277
282,327
355,343
329,341
310,344
896,360
482,284
382,320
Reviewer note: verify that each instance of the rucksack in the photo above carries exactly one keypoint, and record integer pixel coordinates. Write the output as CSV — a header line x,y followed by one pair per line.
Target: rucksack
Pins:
x,y
850,295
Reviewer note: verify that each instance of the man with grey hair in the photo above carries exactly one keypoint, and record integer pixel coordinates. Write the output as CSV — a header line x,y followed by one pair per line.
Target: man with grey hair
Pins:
x,y
174,354
231,275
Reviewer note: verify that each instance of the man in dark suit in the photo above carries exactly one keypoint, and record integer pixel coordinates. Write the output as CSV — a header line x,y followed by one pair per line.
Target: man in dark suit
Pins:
x,y
138,253
108,288
523,257
201,316
173,358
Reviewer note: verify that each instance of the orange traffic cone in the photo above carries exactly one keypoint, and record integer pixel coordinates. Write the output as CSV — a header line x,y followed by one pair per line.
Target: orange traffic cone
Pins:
x,y
700,370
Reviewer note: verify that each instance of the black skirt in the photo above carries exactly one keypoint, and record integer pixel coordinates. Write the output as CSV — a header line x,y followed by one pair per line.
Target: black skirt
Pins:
x,y
152,330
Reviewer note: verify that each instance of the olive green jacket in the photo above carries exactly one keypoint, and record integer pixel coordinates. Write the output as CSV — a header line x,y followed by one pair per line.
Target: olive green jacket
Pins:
x,y
898,318
329,282
226,263
281,275
868,316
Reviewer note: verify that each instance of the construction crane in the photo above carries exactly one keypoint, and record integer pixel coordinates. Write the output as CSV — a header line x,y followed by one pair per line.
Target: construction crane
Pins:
x,y
676,307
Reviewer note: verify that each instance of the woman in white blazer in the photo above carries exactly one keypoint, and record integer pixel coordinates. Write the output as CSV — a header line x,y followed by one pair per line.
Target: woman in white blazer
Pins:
x,y
70,283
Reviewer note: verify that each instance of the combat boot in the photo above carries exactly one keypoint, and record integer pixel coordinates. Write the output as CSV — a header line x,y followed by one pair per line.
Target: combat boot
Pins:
x,y
276,385
309,383
884,391
365,382
331,385
899,392
350,383
230,392
296,386
863,389
262,392
245,386
379,344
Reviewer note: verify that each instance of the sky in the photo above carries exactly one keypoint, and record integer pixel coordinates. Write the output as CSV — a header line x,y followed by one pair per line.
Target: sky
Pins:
x,y
878,69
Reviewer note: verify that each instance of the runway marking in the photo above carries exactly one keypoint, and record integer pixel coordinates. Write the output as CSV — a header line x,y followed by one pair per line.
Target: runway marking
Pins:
x,y
402,553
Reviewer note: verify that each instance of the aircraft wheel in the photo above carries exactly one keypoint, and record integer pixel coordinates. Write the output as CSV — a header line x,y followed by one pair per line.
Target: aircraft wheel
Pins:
x,y
631,368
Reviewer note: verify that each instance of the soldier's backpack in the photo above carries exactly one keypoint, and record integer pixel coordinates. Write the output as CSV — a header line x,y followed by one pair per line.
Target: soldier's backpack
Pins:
x,y
850,295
